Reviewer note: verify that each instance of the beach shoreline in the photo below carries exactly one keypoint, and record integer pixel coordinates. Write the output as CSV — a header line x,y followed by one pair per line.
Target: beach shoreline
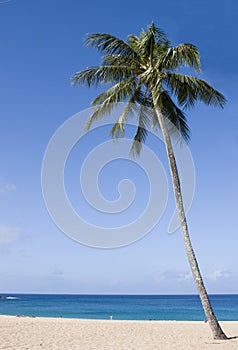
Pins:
x,y
24,332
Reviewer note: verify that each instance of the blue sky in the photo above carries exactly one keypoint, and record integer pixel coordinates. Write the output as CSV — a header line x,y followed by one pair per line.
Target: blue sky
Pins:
x,y
41,48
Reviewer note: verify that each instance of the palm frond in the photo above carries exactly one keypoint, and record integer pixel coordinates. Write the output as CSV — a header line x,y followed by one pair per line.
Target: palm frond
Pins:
x,y
106,101
181,55
145,99
160,52
99,112
133,41
149,77
101,75
144,123
174,114
118,128
109,44
189,89
159,35
122,61
148,41
130,108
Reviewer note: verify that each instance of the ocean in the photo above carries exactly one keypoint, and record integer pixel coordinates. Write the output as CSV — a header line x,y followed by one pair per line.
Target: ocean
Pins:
x,y
121,307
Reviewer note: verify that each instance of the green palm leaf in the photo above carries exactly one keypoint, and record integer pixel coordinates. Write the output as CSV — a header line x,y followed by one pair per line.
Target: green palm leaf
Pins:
x,y
109,99
181,55
101,75
190,89
174,114
144,124
110,45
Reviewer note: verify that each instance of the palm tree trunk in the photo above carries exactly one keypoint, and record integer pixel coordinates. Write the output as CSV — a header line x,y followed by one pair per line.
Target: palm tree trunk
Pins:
x,y
215,327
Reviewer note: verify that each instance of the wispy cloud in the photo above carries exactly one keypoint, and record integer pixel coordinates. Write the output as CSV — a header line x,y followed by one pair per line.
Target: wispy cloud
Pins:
x,y
173,276
184,276
6,187
218,275
9,234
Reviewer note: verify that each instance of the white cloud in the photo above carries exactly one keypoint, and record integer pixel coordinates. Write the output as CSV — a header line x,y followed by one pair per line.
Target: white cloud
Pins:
x,y
173,276
9,234
6,187
219,274
185,276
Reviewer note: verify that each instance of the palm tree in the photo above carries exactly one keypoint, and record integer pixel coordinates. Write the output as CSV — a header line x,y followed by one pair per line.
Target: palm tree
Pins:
x,y
143,71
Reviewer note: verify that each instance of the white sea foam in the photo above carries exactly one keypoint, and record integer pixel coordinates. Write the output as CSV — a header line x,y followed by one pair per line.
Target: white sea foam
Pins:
x,y
11,298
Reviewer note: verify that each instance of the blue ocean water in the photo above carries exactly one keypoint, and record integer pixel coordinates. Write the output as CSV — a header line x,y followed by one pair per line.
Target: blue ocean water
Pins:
x,y
122,307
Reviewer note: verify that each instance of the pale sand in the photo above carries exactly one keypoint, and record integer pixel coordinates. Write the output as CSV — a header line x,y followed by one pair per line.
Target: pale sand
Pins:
x,y
20,333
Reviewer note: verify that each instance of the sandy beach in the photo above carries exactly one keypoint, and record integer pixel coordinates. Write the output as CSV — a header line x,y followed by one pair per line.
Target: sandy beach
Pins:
x,y
20,333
